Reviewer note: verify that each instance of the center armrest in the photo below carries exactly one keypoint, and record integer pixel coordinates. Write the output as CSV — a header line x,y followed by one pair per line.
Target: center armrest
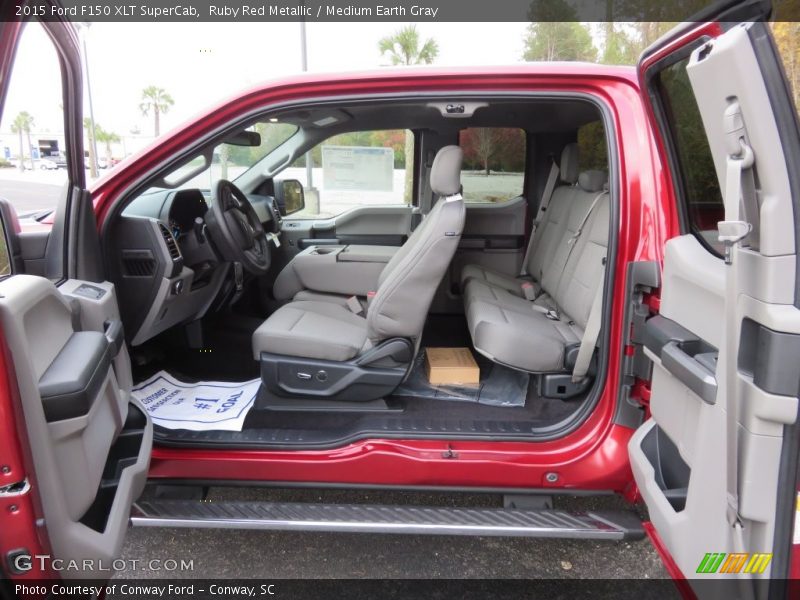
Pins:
x,y
372,254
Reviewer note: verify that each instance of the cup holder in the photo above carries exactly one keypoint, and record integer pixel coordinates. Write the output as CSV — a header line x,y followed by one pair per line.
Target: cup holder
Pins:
x,y
327,249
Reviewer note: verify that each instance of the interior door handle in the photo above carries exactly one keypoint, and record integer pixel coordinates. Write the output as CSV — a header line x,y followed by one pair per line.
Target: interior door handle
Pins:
x,y
689,371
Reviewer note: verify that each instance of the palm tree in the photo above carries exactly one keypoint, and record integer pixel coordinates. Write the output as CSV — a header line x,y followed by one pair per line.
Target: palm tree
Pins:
x,y
155,99
22,125
107,138
87,125
403,48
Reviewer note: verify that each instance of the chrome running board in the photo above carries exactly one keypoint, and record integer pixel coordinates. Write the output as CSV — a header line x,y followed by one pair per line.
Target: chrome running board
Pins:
x,y
596,525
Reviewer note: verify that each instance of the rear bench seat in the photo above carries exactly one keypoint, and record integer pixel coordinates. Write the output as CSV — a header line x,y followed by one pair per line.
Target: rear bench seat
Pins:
x,y
548,234
567,263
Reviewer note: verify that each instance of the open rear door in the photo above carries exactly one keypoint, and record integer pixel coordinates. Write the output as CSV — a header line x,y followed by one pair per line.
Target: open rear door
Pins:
x,y
74,449
716,464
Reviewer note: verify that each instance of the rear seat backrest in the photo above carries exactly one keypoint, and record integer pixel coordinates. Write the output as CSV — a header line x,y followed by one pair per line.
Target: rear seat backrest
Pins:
x,y
585,269
590,184
554,222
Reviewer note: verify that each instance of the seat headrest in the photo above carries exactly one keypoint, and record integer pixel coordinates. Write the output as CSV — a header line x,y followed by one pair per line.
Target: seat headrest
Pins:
x,y
592,181
446,171
568,166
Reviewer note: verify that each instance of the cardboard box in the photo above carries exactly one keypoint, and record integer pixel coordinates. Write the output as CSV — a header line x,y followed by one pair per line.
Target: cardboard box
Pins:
x,y
451,366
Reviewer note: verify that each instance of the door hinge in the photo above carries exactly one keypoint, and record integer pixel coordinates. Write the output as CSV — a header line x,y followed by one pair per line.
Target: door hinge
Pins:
x,y
13,490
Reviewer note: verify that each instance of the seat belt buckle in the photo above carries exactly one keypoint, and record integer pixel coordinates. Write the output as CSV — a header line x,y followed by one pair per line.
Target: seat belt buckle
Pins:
x,y
552,315
354,305
528,290
238,276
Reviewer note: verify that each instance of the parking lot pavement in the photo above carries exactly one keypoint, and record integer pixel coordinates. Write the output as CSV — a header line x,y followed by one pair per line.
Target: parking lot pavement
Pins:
x,y
283,555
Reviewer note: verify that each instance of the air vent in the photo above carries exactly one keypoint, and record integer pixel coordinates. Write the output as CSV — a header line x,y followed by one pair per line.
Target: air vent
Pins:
x,y
172,245
138,263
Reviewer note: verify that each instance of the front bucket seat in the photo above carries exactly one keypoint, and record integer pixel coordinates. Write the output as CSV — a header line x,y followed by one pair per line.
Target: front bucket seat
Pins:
x,y
322,350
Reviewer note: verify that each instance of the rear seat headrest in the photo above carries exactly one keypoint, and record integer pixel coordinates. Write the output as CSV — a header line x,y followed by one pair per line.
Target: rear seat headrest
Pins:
x,y
446,171
569,163
592,181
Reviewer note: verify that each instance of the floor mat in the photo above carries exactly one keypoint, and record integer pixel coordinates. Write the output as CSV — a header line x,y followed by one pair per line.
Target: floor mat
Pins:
x,y
499,386
201,406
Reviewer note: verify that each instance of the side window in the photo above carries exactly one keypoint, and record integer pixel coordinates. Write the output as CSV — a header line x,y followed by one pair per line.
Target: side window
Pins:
x,y
592,148
494,163
32,145
698,184
359,168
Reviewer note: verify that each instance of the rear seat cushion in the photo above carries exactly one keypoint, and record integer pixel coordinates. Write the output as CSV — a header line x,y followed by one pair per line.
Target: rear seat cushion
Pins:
x,y
524,340
493,278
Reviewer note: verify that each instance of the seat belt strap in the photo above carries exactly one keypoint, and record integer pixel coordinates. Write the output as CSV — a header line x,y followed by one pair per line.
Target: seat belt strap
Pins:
x,y
547,195
590,335
573,241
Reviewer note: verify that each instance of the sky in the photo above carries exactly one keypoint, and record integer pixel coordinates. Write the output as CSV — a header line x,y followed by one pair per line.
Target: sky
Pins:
x,y
199,64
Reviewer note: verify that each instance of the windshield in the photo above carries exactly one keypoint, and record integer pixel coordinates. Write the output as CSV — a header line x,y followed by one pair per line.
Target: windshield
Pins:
x,y
228,161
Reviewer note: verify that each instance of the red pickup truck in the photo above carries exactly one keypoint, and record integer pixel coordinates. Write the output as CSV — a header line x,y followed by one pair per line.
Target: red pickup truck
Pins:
x,y
220,310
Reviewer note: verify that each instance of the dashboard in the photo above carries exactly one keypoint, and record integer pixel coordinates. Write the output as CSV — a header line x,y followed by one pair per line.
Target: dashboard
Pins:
x,y
164,264
185,208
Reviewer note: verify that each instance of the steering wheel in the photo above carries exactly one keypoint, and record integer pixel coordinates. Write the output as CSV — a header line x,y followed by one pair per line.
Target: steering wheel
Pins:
x,y
236,229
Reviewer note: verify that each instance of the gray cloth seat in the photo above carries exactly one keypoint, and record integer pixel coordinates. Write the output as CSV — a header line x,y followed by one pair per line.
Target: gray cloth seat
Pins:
x,y
535,335
406,285
323,330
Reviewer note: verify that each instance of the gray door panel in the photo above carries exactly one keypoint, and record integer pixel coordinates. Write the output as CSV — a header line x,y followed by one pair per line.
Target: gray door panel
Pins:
x,y
365,225
727,334
74,380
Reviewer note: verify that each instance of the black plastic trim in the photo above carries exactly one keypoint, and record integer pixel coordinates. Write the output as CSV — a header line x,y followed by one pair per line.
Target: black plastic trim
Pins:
x,y
660,331
72,381
770,357
379,487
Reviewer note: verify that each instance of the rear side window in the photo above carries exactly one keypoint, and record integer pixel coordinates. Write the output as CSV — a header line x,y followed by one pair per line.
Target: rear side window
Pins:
x,y
698,184
494,163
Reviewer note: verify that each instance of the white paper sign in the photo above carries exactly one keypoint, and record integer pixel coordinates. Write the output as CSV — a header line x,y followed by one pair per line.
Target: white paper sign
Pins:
x,y
357,168
204,406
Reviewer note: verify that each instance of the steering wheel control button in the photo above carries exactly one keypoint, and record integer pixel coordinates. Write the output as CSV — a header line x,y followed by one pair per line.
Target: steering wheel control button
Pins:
x,y
303,376
322,376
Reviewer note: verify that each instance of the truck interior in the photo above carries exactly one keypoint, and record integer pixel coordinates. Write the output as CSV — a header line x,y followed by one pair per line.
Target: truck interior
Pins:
x,y
221,281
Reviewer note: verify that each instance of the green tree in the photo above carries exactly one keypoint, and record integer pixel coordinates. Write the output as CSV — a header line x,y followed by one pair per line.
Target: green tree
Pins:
x,y
158,101
555,34
22,125
107,138
403,48
787,38
87,125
